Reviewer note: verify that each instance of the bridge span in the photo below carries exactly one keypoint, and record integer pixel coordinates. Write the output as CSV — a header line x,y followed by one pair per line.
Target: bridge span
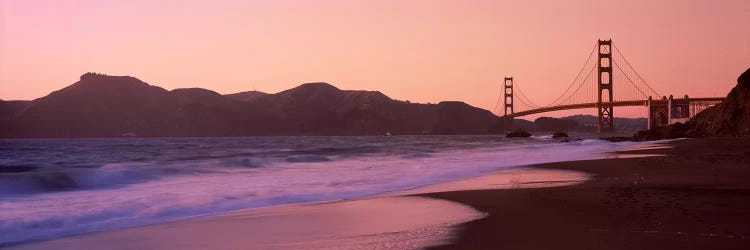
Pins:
x,y
598,93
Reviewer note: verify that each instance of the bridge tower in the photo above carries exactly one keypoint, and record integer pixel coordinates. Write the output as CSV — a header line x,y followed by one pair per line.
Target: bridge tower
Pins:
x,y
604,104
508,100
508,95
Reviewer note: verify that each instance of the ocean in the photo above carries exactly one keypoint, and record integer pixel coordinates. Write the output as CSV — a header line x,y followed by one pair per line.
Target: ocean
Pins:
x,y
52,188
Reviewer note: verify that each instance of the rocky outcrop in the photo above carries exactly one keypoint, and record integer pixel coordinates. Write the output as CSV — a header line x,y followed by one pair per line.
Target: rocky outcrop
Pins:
x,y
728,118
558,135
518,134
677,130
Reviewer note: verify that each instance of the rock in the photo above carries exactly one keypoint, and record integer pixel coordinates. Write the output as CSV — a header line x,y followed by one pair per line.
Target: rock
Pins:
x,y
557,135
16,169
518,133
677,130
617,138
728,118
56,181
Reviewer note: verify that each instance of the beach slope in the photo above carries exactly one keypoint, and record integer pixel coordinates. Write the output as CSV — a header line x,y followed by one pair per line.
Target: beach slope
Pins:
x,y
696,197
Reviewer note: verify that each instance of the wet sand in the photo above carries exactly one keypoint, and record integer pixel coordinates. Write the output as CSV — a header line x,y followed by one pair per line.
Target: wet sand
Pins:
x,y
696,197
401,220
513,178
379,223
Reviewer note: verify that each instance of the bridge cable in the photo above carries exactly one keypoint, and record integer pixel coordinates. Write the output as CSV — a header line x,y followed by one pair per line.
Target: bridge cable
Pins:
x,y
634,71
576,78
497,102
530,103
580,85
631,81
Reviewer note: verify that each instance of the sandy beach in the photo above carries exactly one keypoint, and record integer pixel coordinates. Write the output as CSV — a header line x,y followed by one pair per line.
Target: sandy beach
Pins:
x,y
695,196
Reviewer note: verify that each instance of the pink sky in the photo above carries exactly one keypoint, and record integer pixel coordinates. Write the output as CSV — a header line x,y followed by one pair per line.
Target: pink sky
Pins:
x,y
422,51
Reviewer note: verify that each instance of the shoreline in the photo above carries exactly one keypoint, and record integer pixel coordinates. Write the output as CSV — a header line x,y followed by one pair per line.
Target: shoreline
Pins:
x,y
412,224
695,197
436,226
521,229
281,180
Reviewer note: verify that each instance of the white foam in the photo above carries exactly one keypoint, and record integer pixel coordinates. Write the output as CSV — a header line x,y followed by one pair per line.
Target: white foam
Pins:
x,y
177,196
413,223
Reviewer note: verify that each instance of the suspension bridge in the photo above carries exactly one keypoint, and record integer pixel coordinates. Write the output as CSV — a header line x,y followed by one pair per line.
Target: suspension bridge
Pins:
x,y
593,87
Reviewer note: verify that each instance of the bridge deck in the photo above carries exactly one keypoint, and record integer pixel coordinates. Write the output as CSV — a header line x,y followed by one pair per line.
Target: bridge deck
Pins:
x,y
616,104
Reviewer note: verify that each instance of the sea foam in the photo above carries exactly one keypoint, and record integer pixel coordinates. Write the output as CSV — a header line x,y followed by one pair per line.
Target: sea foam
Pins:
x,y
242,176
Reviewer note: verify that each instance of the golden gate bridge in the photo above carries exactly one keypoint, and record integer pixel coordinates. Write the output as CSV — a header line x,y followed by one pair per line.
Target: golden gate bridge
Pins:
x,y
593,88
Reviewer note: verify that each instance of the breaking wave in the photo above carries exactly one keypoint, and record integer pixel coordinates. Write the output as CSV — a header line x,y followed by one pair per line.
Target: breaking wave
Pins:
x,y
54,188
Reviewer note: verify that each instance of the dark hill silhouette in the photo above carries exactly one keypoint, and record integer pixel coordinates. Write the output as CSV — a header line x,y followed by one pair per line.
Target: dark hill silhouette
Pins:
x,y
97,105
10,109
578,123
320,108
625,125
246,96
115,106
459,117
198,94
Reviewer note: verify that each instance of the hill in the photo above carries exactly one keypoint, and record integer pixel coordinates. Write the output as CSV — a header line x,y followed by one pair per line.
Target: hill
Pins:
x,y
122,106
246,96
579,123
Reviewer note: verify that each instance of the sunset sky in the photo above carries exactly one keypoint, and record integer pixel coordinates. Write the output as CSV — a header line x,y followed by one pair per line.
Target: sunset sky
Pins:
x,y
422,51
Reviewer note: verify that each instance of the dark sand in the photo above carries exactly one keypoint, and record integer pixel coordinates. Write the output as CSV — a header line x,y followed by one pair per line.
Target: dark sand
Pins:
x,y
697,197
